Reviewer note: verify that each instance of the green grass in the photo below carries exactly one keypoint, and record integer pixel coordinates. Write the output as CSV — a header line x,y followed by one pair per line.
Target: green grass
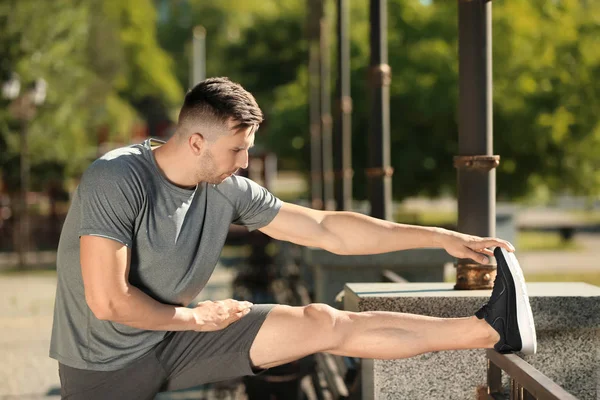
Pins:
x,y
14,271
525,241
587,277
430,218
589,217
545,241
451,217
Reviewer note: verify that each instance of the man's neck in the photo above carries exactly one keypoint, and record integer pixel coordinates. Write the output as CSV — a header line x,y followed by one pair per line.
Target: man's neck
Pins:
x,y
171,164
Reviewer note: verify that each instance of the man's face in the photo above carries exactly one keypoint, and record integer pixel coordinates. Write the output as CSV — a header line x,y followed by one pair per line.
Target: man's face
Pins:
x,y
223,157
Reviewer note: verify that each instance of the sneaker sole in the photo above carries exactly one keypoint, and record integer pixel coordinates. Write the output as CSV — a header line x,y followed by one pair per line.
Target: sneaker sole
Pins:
x,y
524,314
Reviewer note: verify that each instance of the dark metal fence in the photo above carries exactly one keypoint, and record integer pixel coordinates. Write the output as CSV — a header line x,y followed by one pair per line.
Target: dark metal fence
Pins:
x,y
526,382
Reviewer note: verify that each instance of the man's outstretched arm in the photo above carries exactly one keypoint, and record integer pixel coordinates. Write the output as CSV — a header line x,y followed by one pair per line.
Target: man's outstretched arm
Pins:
x,y
353,233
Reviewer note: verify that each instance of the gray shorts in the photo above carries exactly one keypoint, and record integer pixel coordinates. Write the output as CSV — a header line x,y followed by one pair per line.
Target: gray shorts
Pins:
x,y
183,360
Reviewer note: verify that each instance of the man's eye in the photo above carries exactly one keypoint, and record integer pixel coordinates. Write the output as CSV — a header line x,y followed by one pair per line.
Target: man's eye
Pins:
x,y
236,150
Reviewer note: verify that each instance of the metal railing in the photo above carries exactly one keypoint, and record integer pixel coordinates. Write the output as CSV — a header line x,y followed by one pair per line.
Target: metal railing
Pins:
x,y
526,382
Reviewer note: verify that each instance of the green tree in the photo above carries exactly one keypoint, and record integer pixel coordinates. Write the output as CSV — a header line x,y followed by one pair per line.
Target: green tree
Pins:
x,y
258,43
546,95
545,98
102,63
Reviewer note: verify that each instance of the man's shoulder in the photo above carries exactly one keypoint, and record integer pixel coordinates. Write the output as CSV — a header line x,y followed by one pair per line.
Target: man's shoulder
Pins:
x,y
117,163
236,184
123,170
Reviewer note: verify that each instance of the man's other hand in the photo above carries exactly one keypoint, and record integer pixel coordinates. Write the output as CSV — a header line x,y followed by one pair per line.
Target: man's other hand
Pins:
x,y
217,315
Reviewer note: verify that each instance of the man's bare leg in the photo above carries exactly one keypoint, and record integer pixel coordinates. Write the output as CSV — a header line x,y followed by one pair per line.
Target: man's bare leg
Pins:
x,y
505,323
290,333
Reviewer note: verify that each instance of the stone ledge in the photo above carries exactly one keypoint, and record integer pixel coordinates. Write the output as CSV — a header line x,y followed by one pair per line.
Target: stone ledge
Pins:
x,y
567,324
564,305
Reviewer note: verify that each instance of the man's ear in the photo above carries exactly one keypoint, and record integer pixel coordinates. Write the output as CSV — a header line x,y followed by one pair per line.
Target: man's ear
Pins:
x,y
197,142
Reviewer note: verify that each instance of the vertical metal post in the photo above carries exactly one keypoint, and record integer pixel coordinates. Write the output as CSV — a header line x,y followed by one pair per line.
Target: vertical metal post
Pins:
x,y
198,67
476,163
343,113
314,101
326,121
527,395
379,172
494,378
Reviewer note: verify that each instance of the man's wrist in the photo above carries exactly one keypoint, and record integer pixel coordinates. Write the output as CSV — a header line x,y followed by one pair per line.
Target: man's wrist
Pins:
x,y
187,317
437,236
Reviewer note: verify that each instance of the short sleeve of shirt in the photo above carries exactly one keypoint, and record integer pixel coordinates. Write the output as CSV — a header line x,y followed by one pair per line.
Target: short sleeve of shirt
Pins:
x,y
109,201
255,206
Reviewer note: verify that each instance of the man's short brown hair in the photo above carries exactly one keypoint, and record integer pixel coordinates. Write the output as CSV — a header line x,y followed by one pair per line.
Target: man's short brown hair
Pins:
x,y
219,100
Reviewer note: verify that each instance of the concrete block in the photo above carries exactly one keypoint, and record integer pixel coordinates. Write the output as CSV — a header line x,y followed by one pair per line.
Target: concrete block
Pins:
x,y
567,317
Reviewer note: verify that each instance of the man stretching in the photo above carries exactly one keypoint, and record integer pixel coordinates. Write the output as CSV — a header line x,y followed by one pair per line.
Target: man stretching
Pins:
x,y
145,230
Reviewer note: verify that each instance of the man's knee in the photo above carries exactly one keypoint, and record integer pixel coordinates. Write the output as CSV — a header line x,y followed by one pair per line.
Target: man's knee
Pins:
x,y
325,320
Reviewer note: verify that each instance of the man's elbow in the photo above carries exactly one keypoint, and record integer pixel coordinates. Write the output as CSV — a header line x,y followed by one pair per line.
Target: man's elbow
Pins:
x,y
106,308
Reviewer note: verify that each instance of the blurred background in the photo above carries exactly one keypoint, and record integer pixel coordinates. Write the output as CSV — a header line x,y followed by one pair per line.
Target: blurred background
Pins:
x,y
81,77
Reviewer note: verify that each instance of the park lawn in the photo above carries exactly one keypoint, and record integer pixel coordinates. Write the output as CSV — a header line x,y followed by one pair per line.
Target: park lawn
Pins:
x,y
545,241
589,217
15,271
525,241
592,278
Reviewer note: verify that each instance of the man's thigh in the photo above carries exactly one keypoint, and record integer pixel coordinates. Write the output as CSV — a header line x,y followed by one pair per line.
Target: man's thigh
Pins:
x,y
192,358
141,380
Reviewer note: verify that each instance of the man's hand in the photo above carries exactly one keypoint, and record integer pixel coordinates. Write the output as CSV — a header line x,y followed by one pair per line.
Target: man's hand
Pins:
x,y
217,315
466,246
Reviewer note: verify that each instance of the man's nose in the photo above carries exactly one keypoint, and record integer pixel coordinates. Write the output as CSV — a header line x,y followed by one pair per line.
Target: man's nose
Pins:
x,y
244,159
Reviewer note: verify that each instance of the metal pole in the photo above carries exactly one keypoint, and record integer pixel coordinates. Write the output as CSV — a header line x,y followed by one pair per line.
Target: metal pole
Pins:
x,y
379,172
476,163
198,55
326,121
314,101
343,113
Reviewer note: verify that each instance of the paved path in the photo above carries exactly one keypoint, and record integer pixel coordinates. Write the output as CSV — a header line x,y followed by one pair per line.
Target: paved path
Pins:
x,y
26,306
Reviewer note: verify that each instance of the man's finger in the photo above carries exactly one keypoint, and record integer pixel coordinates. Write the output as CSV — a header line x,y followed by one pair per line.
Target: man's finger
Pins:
x,y
477,257
497,243
242,313
487,252
238,304
241,306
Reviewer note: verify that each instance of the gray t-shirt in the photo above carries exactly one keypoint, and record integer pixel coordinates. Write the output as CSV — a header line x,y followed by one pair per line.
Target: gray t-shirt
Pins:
x,y
175,236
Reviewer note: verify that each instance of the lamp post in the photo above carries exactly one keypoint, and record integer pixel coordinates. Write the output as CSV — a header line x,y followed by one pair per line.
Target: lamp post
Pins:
x,y
23,107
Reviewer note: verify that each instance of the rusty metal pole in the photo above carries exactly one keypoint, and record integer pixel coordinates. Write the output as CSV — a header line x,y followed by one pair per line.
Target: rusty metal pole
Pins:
x,y
326,120
343,113
379,172
476,163
314,101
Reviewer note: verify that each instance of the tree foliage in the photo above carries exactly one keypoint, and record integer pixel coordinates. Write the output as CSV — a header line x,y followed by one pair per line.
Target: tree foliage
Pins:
x,y
101,61
545,68
112,63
